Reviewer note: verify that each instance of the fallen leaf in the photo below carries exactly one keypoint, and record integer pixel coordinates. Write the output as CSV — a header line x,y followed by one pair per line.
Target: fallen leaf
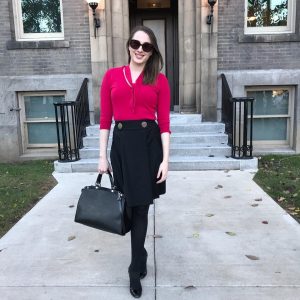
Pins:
x,y
230,233
219,186
97,250
254,205
252,257
209,215
227,197
265,222
189,287
196,235
280,199
292,208
71,206
294,213
71,237
295,195
268,188
258,199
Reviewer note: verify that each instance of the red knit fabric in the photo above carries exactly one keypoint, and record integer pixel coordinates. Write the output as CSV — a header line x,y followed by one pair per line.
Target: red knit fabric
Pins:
x,y
124,100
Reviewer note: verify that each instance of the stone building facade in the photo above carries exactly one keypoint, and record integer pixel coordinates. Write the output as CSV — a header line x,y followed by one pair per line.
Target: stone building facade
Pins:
x,y
41,68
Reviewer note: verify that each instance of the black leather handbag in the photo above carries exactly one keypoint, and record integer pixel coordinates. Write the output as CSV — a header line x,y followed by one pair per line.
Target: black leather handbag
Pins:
x,y
103,208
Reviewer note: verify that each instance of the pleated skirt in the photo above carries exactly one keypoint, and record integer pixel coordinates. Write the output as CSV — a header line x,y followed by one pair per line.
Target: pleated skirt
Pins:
x,y
136,154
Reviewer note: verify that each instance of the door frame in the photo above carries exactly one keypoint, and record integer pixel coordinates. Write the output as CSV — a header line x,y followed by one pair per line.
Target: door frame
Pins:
x,y
170,15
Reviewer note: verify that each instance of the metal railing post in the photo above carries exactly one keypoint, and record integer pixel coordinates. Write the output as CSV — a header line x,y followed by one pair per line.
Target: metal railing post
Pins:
x,y
73,119
241,132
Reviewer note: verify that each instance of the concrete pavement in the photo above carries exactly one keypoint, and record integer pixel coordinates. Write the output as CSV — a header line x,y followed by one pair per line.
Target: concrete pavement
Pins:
x,y
190,254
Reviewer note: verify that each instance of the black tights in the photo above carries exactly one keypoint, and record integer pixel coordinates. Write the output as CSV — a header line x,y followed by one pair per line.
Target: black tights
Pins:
x,y
139,223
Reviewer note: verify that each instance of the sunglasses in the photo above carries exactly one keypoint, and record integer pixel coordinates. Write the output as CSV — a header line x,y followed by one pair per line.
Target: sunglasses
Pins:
x,y
135,44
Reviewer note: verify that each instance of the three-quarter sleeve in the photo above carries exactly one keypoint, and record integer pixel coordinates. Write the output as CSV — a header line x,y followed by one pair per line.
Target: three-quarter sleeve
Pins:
x,y
106,111
163,105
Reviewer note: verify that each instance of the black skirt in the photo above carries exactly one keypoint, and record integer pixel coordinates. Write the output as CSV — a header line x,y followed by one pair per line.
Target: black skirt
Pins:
x,y
136,154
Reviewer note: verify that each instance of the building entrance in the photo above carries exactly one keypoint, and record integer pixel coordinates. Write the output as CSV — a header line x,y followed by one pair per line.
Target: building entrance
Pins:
x,y
162,17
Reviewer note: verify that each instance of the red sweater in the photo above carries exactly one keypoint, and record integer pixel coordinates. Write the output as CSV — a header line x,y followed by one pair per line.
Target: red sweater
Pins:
x,y
124,100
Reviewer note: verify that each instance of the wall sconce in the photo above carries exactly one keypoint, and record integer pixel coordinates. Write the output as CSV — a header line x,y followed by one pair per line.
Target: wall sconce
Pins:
x,y
210,16
93,5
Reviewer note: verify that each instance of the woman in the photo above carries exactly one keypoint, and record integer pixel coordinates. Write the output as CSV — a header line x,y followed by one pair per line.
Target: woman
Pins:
x,y
134,94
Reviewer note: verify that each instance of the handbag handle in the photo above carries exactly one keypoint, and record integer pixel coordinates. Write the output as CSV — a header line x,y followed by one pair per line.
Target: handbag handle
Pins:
x,y
99,178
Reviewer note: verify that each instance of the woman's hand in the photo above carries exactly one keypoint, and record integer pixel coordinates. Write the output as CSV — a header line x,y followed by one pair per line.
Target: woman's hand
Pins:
x,y
103,165
162,171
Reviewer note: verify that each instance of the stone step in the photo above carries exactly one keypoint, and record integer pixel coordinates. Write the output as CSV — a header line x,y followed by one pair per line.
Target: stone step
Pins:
x,y
201,127
204,138
176,163
176,118
175,149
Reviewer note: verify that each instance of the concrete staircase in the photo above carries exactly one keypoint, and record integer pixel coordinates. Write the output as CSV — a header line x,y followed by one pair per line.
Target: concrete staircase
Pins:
x,y
195,145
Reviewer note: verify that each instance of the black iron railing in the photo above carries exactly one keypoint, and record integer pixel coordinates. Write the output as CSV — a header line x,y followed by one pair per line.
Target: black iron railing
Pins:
x,y
237,114
72,117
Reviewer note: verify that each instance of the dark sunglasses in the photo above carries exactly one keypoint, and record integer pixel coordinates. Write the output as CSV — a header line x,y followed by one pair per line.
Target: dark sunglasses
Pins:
x,y
135,44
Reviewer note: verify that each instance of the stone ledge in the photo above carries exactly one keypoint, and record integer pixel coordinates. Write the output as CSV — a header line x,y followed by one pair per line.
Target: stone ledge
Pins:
x,y
14,45
268,38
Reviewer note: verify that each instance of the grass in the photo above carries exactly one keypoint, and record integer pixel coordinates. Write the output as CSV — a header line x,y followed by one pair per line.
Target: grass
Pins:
x,y
22,185
279,176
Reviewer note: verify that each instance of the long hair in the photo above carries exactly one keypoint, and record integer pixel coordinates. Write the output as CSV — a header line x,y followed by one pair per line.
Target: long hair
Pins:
x,y
155,62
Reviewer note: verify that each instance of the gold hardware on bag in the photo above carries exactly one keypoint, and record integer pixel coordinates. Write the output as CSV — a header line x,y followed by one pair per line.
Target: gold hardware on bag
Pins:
x,y
144,124
120,125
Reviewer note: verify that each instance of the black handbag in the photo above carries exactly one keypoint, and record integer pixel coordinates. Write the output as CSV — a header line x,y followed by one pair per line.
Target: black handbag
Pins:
x,y
103,208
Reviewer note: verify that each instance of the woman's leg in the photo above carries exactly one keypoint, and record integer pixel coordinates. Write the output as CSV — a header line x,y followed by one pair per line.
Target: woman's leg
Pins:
x,y
139,223
139,226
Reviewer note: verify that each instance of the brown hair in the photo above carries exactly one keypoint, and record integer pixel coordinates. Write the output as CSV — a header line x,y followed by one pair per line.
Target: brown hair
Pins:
x,y
155,62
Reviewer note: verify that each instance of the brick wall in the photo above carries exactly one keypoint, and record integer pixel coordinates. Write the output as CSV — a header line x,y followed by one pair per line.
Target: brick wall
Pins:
x,y
75,59
246,54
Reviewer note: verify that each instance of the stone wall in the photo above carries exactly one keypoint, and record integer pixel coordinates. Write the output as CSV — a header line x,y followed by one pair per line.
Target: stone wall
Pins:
x,y
237,51
71,56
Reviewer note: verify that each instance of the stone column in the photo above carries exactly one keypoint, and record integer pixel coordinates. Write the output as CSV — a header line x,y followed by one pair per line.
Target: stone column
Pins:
x,y
187,55
108,48
208,64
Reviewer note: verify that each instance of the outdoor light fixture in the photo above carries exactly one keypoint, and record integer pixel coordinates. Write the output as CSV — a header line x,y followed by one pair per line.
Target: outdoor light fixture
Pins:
x,y
210,16
93,5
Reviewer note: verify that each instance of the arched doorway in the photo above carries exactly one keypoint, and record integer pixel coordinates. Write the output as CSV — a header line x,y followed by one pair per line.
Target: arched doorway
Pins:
x,y
162,17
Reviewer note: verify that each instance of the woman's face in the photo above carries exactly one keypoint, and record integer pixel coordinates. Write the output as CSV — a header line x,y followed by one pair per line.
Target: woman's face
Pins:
x,y
139,56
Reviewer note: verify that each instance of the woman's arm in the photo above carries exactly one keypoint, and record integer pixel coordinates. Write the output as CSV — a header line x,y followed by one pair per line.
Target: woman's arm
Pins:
x,y
163,118
164,166
103,161
105,122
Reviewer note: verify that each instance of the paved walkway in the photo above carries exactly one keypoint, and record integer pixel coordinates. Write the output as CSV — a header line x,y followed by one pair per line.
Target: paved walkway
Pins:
x,y
190,254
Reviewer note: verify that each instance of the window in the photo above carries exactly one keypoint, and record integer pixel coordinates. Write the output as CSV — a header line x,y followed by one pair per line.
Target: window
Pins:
x,y
270,16
272,115
38,20
38,119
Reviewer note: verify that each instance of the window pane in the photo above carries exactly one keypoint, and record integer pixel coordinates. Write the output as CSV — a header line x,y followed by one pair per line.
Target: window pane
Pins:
x,y
263,13
275,102
41,106
270,129
153,4
41,16
42,133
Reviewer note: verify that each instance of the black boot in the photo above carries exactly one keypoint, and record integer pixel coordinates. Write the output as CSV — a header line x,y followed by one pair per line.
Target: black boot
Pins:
x,y
135,283
144,265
